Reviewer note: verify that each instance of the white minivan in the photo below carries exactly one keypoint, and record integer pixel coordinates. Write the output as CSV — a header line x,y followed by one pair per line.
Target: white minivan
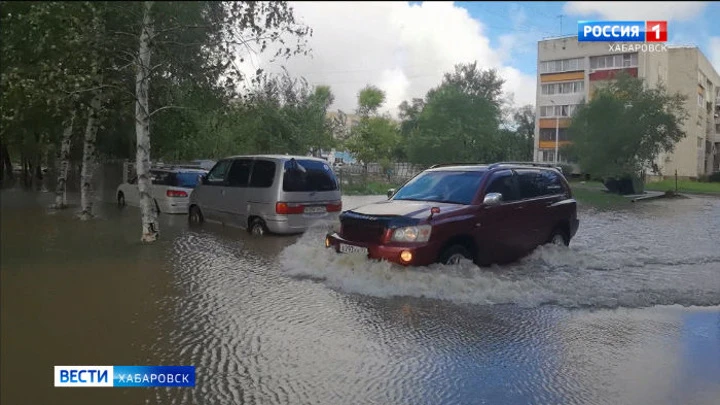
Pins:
x,y
267,193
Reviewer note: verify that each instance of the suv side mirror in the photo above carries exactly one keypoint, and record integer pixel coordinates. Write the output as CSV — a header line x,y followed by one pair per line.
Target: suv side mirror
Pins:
x,y
492,199
203,179
390,192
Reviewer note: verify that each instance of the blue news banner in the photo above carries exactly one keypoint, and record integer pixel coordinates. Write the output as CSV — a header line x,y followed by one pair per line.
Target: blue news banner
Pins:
x,y
124,376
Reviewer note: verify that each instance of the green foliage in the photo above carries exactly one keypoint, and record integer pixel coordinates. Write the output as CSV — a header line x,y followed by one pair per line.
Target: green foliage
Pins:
x,y
50,50
375,137
280,115
459,120
624,128
370,98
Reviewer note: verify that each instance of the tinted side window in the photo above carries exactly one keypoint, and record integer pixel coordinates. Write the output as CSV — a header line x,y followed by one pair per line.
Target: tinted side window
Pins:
x,y
263,174
549,182
217,174
529,184
503,183
239,174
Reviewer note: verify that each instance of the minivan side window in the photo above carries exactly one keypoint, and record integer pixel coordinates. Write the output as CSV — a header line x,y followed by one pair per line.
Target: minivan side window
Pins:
x,y
263,174
216,177
239,174
502,182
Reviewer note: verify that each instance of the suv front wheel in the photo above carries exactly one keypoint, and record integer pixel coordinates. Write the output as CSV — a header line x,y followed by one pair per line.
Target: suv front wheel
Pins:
x,y
454,254
559,237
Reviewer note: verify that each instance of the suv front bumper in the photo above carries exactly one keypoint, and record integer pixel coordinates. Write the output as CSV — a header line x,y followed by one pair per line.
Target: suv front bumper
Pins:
x,y
420,254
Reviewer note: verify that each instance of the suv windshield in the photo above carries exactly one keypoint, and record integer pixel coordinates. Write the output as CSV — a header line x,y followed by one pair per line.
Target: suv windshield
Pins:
x,y
442,186
308,175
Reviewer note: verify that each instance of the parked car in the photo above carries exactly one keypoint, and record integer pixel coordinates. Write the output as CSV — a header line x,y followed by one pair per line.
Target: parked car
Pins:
x,y
171,189
267,193
485,213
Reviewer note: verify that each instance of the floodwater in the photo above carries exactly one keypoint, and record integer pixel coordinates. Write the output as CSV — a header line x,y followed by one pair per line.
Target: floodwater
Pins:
x,y
629,314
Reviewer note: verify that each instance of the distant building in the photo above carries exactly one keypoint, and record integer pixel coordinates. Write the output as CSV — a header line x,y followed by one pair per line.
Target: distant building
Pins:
x,y
569,72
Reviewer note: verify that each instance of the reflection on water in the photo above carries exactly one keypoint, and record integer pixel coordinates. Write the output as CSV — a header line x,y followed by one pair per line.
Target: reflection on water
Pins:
x,y
281,320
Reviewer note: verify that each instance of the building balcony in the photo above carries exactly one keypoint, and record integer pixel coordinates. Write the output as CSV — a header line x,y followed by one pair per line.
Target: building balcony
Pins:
x,y
551,144
609,74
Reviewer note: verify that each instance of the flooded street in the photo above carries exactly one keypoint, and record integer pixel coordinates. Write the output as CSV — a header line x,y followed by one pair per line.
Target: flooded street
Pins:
x,y
629,314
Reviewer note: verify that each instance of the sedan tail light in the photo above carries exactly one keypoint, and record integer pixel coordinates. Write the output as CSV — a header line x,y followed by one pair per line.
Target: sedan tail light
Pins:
x,y
284,208
335,206
176,193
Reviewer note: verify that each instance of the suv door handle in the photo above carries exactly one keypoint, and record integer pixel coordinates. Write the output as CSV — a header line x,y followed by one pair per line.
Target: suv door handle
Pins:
x,y
521,207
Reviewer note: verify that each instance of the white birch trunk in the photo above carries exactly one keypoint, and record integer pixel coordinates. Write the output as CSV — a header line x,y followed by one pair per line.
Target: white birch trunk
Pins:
x,y
88,164
64,163
150,228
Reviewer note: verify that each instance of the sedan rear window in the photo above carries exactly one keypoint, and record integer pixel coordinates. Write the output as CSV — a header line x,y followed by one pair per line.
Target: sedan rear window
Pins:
x,y
457,187
308,175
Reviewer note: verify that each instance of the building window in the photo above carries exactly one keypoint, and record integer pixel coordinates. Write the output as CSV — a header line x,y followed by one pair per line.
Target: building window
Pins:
x,y
552,111
700,100
627,60
547,155
563,88
563,65
548,134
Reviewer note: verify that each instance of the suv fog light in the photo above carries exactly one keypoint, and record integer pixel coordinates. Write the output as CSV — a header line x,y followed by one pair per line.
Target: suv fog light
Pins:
x,y
406,256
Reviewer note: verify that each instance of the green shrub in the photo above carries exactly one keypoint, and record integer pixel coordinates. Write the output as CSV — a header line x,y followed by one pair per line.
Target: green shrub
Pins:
x,y
714,178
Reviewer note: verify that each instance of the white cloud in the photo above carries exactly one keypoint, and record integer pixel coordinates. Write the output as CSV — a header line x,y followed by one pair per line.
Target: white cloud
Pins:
x,y
637,10
403,49
714,49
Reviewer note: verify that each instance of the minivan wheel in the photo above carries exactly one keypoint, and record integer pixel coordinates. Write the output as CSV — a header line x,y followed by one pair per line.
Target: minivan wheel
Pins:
x,y
559,237
257,227
454,254
195,217
121,199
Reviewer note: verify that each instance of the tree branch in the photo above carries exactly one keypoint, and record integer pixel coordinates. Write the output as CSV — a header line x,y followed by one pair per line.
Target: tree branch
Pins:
x,y
179,27
169,107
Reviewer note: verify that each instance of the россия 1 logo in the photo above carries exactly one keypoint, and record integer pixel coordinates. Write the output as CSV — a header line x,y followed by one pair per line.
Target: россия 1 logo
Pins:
x,y
622,31
124,376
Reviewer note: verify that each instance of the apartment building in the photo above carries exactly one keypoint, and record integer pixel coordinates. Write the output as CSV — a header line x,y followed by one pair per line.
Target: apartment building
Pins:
x,y
569,71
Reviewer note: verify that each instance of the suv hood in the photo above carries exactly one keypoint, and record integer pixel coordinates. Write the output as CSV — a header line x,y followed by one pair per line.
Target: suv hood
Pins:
x,y
400,208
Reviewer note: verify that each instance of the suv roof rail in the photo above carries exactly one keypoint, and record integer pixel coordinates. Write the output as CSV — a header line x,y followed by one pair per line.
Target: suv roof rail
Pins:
x,y
536,164
453,164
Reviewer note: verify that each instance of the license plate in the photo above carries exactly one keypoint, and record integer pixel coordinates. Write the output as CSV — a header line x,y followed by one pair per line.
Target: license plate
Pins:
x,y
352,249
314,210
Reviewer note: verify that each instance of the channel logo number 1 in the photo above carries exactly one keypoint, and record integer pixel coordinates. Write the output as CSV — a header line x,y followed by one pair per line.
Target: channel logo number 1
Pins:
x,y
656,31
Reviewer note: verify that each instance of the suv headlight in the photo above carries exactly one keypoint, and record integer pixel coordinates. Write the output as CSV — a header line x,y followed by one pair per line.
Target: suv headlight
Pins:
x,y
419,233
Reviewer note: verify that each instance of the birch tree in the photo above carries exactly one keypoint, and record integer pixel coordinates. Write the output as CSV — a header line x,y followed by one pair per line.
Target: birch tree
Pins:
x,y
150,226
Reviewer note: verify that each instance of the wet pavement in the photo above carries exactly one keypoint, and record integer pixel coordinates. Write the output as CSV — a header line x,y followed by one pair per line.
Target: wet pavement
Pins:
x,y
629,314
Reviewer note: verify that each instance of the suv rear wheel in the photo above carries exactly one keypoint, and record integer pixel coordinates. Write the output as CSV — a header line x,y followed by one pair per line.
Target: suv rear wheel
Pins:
x,y
454,254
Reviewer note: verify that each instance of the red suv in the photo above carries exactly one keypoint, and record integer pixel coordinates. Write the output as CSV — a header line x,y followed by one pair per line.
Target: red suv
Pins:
x,y
485,213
